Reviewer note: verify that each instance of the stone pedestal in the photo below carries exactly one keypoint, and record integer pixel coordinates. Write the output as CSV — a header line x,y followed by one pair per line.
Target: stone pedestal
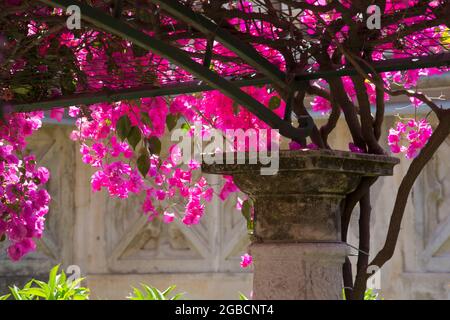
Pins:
x,y
297,249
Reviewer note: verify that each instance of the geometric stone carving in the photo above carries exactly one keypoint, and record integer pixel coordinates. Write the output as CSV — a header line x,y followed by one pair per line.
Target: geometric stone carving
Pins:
x,y
136,244
432,203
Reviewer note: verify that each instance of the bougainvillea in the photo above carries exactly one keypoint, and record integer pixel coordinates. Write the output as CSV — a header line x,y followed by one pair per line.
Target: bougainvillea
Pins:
x,y
409,137
23,199
122,141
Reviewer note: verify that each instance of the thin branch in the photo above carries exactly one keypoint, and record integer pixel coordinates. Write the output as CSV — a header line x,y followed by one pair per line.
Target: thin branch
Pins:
x,y
437,138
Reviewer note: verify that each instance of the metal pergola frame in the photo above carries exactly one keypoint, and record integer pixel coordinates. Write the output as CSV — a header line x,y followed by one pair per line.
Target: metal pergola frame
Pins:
x,y
178,57
209,80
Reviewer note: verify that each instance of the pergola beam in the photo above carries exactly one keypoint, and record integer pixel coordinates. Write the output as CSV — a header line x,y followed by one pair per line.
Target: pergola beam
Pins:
x,y
180,58
197,86
400,64
126,94
240,48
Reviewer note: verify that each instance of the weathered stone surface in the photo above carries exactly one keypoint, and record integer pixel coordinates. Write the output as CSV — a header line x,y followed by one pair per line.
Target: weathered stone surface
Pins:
x,y
297,249
301,202
294,271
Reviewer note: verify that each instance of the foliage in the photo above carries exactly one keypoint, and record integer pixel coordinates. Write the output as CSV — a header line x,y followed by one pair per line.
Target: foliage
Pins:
x,y
242,296
369,294
58,287
152,293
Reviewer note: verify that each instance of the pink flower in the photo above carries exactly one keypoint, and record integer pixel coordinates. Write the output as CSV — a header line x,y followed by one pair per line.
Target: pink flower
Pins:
x,y
246,260
57,114
19,249
294,145
208,194
168,217
409,138
228,188
74,112
43,175
354,148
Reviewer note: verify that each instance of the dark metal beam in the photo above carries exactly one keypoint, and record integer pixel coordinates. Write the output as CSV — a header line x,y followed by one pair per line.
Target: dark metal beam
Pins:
x,y
126,94
401,64
182,59
242,49
197,86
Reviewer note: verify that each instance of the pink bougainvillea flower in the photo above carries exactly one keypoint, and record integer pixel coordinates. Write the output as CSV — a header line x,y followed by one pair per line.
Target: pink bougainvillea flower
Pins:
x,y
168,217
246,260
57,114
354,148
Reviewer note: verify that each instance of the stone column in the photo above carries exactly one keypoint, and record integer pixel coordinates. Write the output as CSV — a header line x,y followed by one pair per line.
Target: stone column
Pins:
x,y
297,249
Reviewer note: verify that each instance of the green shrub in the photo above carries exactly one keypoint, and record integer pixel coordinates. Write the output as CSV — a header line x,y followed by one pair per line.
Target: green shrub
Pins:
x,y
58,287
152,293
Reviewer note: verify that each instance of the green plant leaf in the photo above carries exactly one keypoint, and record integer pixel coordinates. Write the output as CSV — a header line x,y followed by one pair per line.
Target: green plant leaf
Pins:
x,y
274,102
150,293
123,127
134,136
158,294
177,296
5,297
146,119
143,164
186,127
154,145
242,296
171,121
236,108
52,281
166,292
35,292
16,293
22,90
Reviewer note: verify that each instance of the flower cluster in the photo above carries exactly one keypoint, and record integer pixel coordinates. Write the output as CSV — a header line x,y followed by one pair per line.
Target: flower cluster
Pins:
x,y
123,170
246,260
23,201
410,137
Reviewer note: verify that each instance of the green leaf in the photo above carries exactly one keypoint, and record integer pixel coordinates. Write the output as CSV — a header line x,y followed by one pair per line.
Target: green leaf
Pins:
x,y
247,206
166,292
235,108
150,293
177,296
143,164
23,90
16,293
138,294
52,280
186,127
123,127
247,209
154,145
242,296
158,294
274,102
134,136
35,292
171,121
5,297
445,37
146,119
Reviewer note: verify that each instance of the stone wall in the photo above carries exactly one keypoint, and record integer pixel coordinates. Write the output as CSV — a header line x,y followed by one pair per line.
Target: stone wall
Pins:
x,y
116,248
